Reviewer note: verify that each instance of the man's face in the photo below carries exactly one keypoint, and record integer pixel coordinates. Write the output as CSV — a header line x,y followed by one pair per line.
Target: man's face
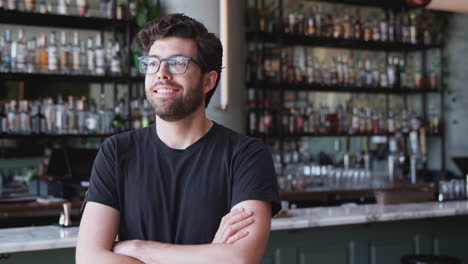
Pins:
x,y
175,97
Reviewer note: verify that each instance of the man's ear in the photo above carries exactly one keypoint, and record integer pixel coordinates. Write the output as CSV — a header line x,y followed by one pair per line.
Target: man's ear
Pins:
x,y
209,81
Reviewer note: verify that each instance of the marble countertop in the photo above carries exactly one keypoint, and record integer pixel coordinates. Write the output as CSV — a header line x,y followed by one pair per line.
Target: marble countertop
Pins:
x,y
54,237
346,215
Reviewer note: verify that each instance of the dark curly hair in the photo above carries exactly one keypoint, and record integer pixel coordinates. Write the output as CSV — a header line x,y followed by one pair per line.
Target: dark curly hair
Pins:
x,y
209,48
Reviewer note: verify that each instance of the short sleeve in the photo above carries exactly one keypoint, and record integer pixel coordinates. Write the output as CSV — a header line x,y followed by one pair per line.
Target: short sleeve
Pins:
x,y
102,187
254,176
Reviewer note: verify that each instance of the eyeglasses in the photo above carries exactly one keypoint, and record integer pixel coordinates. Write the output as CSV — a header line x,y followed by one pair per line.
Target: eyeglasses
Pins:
x,y
175,65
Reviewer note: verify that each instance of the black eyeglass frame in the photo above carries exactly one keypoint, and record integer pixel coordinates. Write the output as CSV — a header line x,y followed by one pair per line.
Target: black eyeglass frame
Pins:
x,y
140,59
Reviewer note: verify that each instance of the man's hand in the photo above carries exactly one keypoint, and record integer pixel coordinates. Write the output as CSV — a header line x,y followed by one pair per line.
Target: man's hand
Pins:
x,y
127,248
231,228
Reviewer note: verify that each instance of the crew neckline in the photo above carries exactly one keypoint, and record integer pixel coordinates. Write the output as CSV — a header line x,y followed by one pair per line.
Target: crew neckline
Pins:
x,y
195,145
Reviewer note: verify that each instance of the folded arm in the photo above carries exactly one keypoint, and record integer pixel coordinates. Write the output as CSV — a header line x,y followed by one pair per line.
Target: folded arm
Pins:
x,y
247,250
98,229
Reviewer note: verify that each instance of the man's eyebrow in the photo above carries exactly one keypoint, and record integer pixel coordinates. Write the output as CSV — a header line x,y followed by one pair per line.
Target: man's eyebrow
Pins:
x,y
154,55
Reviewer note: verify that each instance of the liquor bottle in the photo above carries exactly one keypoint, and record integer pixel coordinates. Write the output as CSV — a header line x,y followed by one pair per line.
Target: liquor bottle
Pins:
x,y
384,28
367,31
37,54
3,119
284,65
90,57
358,30
60,126
404,122
391,123
291,67
329,26
319,20
292,20
82,7
369,80
402,71
369,124
2,47
12,4
105,116
43,7
38,121
48,111
146,114
252,111
63,7
81,116
83,58
136,114
115,64
100,56
300,21
391,27
392,72
76,54
405,29
31,56
24,118
108,50
71,116
337,27
376,33
347,27
53,65
7,60
30,5
267,117
92,120
44,53
20,52
12,118
413,38
118,122
375,76
383,81
311,25
65,53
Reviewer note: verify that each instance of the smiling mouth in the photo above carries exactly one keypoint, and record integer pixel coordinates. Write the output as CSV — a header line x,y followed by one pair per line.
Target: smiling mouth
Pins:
x,y
166,91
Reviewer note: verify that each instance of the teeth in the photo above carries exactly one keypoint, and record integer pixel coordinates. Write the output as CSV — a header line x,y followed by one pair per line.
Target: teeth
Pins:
x,y
165,91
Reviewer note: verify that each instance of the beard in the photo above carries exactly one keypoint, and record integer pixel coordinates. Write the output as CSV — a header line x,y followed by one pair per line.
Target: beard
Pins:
x,y
179,107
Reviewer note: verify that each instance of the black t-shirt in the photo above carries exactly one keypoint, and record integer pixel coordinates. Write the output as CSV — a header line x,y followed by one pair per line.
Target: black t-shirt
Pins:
x,y
179,196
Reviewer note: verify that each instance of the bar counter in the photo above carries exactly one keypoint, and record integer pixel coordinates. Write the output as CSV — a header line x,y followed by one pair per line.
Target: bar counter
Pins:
x,y
47,241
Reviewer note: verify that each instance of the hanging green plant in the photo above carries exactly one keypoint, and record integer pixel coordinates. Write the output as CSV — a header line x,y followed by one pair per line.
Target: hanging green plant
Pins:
x,y
144,11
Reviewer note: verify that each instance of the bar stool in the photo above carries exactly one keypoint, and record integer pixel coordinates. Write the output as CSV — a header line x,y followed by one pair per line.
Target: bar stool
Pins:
x,y
429,259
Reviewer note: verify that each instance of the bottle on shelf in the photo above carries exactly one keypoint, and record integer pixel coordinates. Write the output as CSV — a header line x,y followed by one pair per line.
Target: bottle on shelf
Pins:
x,y
91,57
30,57
99,56
38,120
24,118
63,7
135,114
82,7
7,56
29,5
65,54
118,121
3,120
20,58
76,53
53,60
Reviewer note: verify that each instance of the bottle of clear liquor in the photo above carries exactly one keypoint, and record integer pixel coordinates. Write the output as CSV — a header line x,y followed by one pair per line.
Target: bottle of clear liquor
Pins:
x,y
118,121
100,56
7,60
53,65
92,118
24,118
71,116
76,52
31,56
3,119
20,52
60,126
115,64
91,59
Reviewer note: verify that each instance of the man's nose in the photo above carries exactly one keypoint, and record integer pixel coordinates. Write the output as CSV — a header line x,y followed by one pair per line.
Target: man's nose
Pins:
x,y
163,73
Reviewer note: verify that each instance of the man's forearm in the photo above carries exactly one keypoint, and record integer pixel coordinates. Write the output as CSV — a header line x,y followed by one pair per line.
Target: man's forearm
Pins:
x,y
105,257
160,253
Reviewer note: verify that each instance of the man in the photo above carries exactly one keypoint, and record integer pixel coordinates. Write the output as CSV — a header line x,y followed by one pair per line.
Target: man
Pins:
x,y
186,190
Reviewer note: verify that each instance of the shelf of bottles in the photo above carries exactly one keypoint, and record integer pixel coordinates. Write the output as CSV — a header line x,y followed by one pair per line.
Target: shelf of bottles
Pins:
x,y
77,117
301,118
54,57
81,14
